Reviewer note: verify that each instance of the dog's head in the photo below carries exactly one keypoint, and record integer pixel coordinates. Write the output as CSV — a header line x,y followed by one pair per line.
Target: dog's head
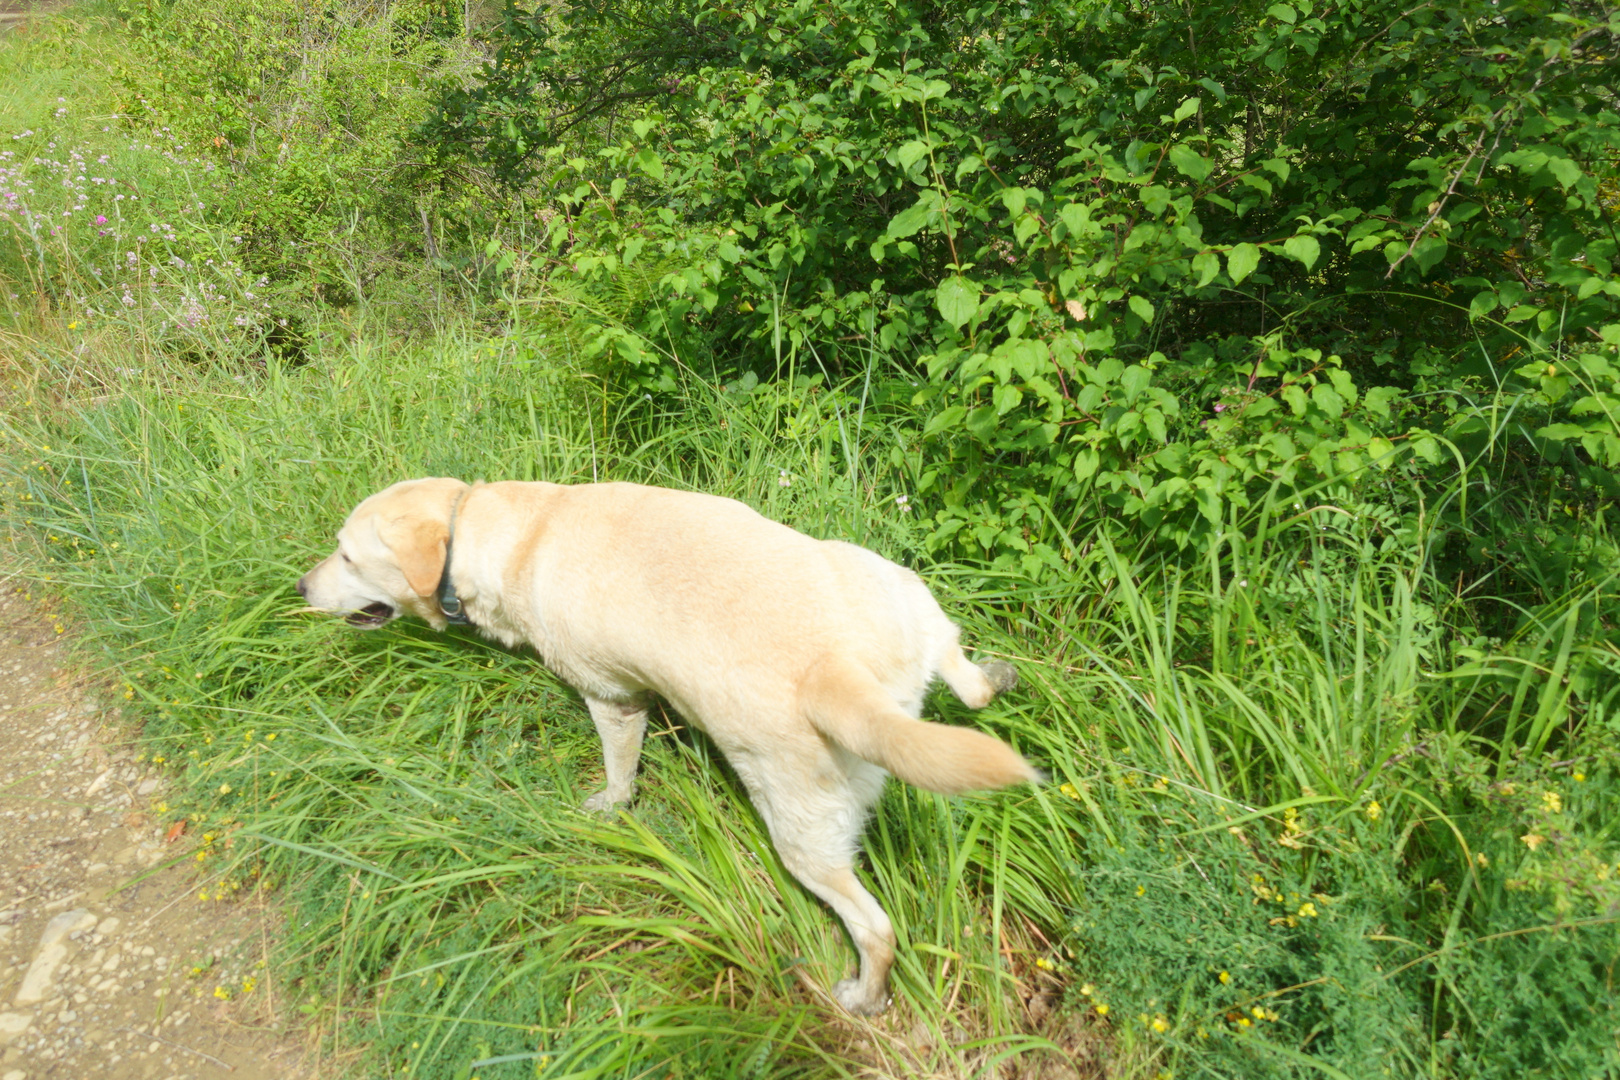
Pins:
x,y
389,558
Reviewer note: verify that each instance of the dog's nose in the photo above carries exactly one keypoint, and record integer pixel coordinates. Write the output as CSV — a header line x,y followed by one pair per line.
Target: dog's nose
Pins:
x,y
303,586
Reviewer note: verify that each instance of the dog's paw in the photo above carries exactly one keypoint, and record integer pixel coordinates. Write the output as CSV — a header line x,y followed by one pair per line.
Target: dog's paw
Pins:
x,y
603,802
861,1000
1002,675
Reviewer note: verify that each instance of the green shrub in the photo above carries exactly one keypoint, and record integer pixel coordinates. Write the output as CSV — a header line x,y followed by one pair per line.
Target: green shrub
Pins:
x,y
1156,264
302,107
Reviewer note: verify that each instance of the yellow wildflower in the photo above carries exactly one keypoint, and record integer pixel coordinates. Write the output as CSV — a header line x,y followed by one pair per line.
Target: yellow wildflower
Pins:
x,y
1373,810
1551,802
1160,1024
1102,1010
1070,790
1307,910
1225,977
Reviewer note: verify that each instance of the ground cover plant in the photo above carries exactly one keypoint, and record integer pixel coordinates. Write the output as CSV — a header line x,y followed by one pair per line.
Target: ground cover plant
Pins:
x,y
1332,767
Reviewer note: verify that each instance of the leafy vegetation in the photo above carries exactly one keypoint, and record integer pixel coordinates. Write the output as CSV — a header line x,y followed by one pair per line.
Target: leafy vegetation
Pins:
x,y
1154,262
1244,376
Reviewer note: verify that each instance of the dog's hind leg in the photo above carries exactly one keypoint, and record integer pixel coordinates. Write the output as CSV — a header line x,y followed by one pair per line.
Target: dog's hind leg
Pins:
x,y
815,817
867,993
621,725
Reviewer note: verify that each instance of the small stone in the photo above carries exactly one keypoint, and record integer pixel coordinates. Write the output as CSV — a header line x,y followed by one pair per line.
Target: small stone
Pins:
x,y
109,925
52,951
149,785
12,1025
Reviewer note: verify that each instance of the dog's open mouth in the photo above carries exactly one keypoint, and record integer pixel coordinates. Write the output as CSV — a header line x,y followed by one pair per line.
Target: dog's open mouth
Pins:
x,y
370,617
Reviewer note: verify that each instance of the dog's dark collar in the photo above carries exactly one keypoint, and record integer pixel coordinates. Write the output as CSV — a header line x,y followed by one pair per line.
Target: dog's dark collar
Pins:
x,y
449,603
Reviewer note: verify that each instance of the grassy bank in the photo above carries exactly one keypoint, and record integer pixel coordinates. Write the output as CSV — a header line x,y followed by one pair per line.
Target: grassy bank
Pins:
x,y
1274,832
1314,810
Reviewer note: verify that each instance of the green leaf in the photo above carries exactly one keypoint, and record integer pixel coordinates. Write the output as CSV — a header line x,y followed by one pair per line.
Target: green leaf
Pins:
x,y
1185,109
1382,452
1075,217
1482,304
1006,397
1134,380
1282,13
958,300
1429,251
1294,394
1565,171
1189,161
909,154
1303,248
1206,264
1085,464
1153,420
1143,308
912,220
1241,261
1328,400
648,162
1560,432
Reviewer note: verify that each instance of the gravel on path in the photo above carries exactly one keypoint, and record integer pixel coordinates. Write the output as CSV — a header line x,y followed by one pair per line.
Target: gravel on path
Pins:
x,y
111,966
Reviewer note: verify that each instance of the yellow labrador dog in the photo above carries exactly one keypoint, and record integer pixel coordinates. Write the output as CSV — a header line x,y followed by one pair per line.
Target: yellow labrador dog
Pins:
x,y
804,660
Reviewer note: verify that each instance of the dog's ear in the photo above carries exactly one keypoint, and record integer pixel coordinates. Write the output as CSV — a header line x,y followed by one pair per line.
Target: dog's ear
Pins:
x,y
418,545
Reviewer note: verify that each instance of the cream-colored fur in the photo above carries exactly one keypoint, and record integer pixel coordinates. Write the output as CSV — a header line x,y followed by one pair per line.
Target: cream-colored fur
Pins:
x,y
804,660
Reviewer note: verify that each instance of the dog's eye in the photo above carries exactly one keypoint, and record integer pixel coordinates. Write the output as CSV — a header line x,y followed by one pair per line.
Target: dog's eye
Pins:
x,y
346,558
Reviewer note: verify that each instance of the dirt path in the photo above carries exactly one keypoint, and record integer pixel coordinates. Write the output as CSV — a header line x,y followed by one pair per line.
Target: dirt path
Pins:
x,y
19,12
111,966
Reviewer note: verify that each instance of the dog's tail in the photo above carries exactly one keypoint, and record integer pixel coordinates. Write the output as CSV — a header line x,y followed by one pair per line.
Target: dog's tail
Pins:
x,y
844,702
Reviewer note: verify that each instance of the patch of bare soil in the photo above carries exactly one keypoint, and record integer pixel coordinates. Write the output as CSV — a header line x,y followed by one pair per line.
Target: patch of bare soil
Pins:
x,y
111,966
18,13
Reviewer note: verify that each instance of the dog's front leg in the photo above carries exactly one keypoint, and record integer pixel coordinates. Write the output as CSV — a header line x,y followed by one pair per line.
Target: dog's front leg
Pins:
x,y
621,725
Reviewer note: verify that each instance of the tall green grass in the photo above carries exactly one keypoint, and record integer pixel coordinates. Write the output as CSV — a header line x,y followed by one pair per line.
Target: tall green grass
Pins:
x,y
1226,740
417,792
